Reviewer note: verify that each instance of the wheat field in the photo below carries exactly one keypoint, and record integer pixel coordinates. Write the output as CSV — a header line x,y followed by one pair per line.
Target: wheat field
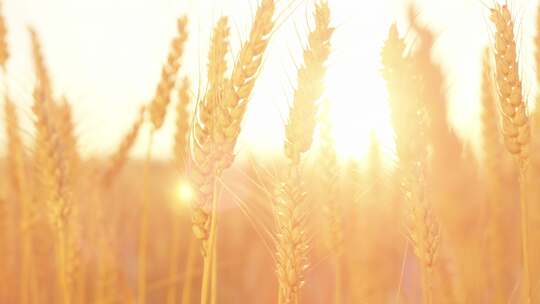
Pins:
x,y
426,214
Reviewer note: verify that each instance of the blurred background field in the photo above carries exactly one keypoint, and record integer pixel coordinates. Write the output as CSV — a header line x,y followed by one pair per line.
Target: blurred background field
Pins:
x,y
92,185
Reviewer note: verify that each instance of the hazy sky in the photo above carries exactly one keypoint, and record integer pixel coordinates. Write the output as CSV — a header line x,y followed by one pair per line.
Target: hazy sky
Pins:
x,y
106,56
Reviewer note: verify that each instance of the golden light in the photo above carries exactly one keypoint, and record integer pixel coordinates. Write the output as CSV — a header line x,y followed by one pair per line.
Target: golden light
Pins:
x,y
355,116
357,90
184,194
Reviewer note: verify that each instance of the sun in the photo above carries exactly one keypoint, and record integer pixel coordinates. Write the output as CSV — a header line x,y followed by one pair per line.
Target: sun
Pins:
x,y
353,85
183,195
359,102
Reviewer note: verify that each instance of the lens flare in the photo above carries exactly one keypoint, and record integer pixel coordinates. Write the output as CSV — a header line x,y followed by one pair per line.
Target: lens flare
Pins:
x,y
184,194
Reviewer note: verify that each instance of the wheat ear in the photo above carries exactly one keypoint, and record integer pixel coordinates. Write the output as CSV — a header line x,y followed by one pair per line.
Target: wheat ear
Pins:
x,y
66,129
203,147
54,190
169,72
409,124
219,117
183,125
204,152
50,158
43,87
515,120
289,207
234,100
158,110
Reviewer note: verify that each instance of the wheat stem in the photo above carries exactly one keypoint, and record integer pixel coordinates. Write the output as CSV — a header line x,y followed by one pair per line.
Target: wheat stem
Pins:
x,y
210,248
143,226
213,293
190,267
525,235
338,293
173,260
61,249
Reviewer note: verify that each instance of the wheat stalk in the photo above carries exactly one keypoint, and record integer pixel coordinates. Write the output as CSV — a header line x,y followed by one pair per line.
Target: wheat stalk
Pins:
x,y
332,207
409,124
218,121
515,120
204,151
290,199
17,169
181,139
118,159
535,117
54,190
20,186
188,281
158,110
183,119
203,148
492,155
115,165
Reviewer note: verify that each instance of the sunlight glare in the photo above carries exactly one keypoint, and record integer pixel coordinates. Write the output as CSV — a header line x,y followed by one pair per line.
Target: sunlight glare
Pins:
x,y
358,95
184,194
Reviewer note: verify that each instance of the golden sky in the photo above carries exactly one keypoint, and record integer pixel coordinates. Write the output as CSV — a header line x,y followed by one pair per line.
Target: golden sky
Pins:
x,y
106,56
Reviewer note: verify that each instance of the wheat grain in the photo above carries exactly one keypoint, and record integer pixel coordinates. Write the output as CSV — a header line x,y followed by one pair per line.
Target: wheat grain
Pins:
x,y
162,97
